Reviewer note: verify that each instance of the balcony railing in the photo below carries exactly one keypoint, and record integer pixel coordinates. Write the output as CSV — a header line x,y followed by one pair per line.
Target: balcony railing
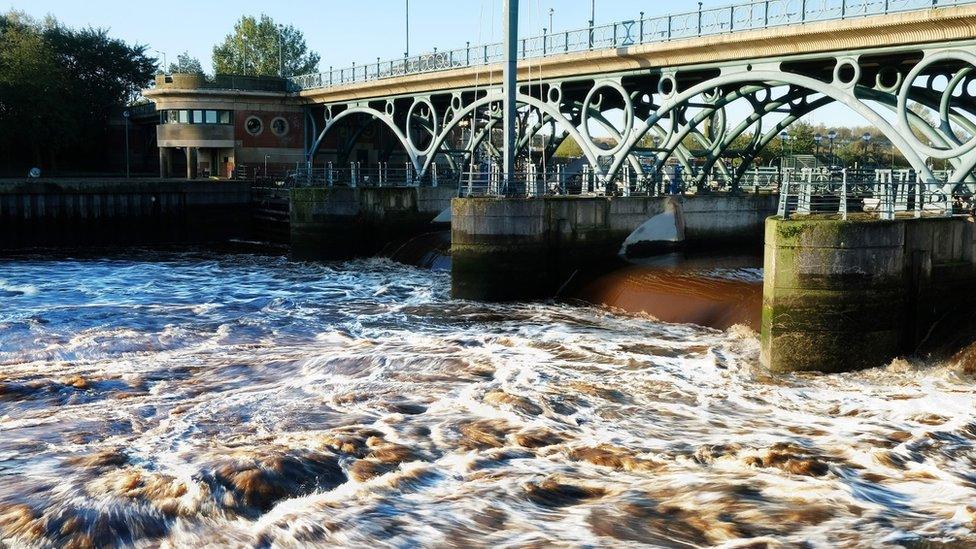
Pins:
x,y
753,15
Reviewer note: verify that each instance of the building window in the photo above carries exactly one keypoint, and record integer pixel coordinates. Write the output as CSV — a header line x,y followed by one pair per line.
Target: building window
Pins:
x,y
279,126
182,116
254,126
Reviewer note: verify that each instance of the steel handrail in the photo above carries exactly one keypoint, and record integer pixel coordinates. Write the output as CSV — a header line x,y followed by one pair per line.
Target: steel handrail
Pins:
x,y
746,16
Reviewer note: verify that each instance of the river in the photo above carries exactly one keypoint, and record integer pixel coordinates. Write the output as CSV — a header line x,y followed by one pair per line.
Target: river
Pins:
x,y
192,399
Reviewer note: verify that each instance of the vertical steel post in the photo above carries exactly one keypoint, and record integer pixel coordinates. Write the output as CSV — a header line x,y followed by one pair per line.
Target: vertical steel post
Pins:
x,y
509,78
125,115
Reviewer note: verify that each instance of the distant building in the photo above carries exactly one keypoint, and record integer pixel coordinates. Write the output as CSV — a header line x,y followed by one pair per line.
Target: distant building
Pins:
x,y
212,127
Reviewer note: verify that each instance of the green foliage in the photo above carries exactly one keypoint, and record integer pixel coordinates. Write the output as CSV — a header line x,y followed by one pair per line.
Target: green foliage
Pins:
x,y
253,50
186,64
58,87
569,148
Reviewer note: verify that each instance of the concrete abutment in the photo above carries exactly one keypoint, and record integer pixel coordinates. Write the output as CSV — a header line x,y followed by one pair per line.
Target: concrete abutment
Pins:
x,y
347,222
505,249
847,295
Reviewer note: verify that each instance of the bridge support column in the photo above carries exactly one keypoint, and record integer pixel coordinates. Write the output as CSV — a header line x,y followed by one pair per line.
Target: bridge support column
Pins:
x,y
164,167
506,249
191,162
343,222
847,295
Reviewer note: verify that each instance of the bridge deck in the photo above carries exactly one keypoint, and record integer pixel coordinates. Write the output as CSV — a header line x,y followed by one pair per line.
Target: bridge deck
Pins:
x,y
882,31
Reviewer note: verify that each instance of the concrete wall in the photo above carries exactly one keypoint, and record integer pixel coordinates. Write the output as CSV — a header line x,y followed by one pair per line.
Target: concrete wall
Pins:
x,y
118,212
195,135
510,249
846,295
343,222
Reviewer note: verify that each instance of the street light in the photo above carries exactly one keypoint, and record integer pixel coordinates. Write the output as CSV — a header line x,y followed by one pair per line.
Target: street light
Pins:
x,y
831,135
407,11
165,66
782,157
816,140
281,54
866,138
551,11
592,20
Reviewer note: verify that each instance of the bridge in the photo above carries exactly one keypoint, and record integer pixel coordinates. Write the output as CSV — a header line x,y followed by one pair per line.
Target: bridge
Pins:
x,y
671,115
638,96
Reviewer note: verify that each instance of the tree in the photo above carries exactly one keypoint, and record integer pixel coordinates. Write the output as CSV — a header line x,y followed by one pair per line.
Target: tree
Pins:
x,y
569,148
186,64
58,88
253,50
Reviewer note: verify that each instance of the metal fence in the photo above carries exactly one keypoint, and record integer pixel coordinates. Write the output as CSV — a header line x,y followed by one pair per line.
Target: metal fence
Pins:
x,y
882,193
753,15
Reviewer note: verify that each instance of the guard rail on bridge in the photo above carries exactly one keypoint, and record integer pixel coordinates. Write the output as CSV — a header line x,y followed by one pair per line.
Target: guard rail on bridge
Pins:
x,y
885,193
754,15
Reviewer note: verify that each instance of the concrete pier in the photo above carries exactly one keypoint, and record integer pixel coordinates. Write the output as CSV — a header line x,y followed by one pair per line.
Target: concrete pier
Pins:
x,y
344,222
511,249
82,212
847,295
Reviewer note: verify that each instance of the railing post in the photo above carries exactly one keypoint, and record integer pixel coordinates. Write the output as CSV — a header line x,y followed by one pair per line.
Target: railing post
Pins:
x,y
766,14
784,195
699,18
843,195
566,35
918,197
843,8
641,41
669,27
615,35
545,36
468,50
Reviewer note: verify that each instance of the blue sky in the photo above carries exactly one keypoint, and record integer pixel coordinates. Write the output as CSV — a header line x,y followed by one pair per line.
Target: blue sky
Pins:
x,y
344,31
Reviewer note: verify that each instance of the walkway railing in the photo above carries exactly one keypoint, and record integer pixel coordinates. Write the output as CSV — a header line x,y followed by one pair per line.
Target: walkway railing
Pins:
x,y
753,15
884,193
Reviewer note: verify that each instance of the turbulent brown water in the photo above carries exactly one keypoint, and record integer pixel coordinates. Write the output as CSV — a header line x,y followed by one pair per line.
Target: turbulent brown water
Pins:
x,y
199,400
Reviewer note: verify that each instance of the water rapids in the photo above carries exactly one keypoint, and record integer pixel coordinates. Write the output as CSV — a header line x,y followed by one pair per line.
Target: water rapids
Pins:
x,y
190,399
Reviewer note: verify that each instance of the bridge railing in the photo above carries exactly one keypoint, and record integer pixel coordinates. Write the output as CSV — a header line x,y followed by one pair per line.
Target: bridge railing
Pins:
x,y
752,15
882,193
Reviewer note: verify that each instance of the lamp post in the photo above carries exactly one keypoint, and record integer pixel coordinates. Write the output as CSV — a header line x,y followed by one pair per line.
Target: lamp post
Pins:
x,y
125,115
782,157
831,135
866,138
551,11
165,66
592,20
406,52
281,52
816,141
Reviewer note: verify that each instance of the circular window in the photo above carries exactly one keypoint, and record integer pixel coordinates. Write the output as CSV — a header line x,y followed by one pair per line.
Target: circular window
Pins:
x,y
279,126
253,125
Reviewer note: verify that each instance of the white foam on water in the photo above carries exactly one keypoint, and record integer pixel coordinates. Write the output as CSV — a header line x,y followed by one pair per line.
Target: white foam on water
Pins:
x,y
238,376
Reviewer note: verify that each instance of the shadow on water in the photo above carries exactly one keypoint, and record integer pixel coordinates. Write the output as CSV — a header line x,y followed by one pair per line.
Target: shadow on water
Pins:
x,y
713,289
